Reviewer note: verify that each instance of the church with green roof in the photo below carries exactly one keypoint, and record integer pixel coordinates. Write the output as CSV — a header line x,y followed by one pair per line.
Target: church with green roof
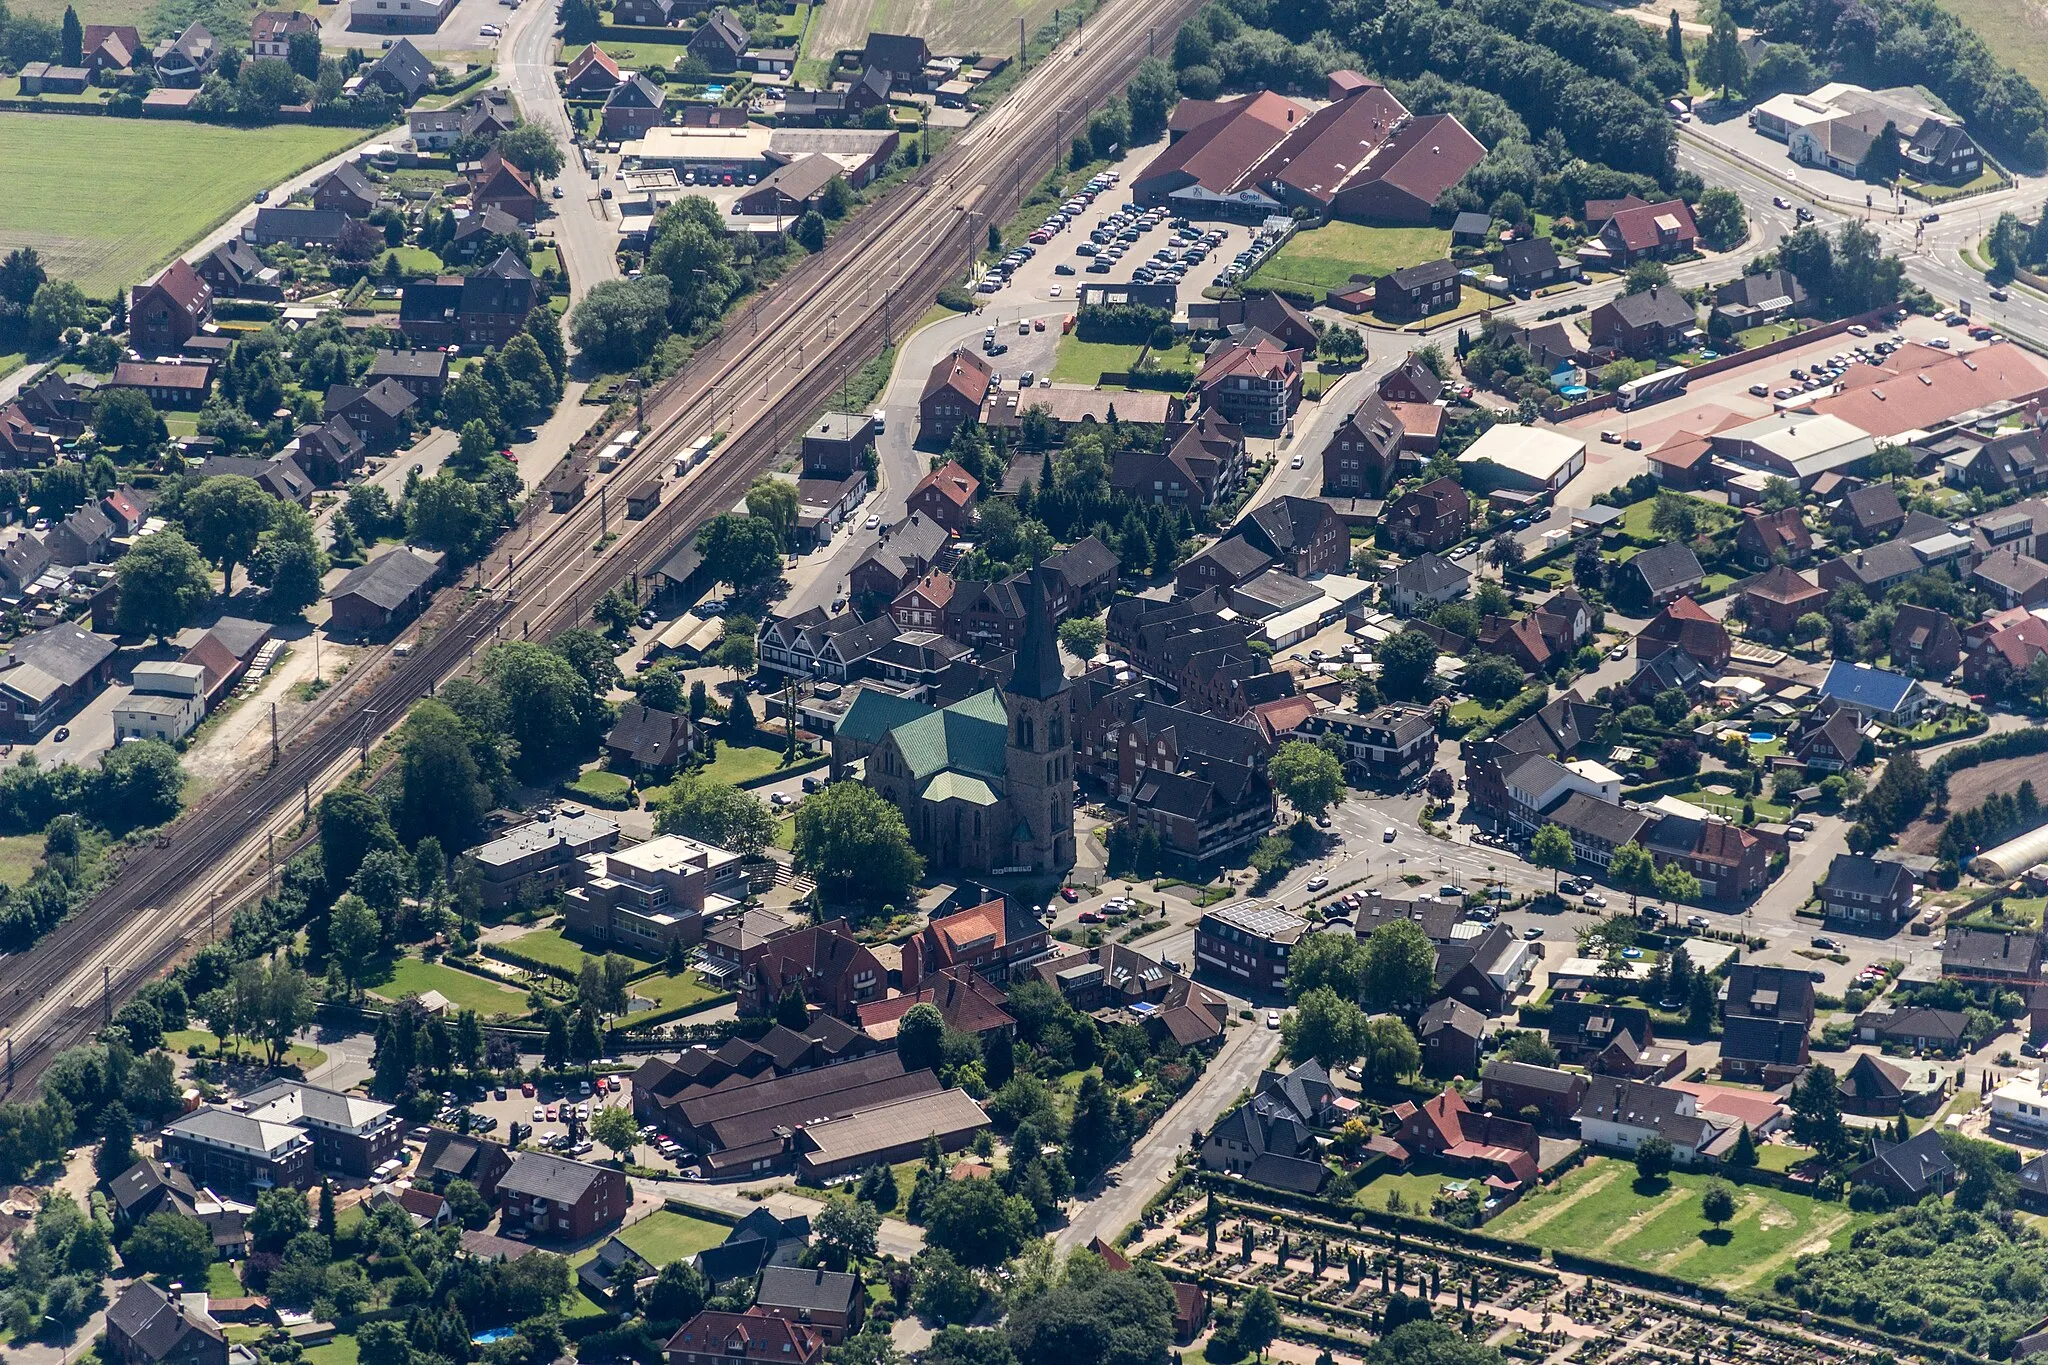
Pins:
x,y
986,785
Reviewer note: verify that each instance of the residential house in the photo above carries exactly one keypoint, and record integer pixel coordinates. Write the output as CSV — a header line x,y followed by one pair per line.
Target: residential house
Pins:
x,y
1997,653
1655,322
551,1198
84,537
1620,1114
1530,263
1873,1087
46,674
1664,572
174,384
831,1303
1224,564
1925,642
482,309
346,190
1871,512
632,108
1685,624
1766,1013
1875,693
402,70
654,894
719,41
183,62
1757,298
498,184
1650,232
1917,1029
169,311
1450,1033
953,394
1863,890
380,413
110,47
716,1337
901,560
146,1326
1364,452
1427,581
1990,957
1412,381
814,645
1518,1087
993,938
1908,1171
1766,538
1482,965
834,971
1834,744
271,31
1435,516
1731,863
2012,579
1254,382
591,74
649,742
1464,1139
1391,747
459,1156
1304,536
902,57
1417,291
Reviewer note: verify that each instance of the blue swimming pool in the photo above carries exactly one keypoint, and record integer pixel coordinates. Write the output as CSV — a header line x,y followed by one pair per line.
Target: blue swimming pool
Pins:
x,y
1761,736
495,1334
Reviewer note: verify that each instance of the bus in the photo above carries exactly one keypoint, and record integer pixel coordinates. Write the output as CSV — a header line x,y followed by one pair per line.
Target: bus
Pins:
x,y
1653,388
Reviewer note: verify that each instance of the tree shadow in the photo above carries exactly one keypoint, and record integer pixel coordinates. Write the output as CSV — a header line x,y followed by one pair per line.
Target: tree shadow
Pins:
x,y
1717,1237
1649,1187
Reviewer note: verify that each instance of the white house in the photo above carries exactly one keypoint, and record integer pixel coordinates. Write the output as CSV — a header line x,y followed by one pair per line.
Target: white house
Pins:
x,y
1620,1114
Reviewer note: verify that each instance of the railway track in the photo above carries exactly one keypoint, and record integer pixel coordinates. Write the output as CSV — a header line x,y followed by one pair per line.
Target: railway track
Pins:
x,y
775,362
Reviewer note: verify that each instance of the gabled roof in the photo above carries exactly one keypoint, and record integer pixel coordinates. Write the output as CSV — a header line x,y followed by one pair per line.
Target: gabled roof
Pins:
x,y
158,1325
1920,1164
1644,226
1659,305
1859,684
1783,584
1669,565
1430,573
543,1176
590,57
388,580
1861,875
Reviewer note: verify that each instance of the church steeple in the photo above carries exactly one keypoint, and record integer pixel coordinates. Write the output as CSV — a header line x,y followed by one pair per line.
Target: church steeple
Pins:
x,y
1038,674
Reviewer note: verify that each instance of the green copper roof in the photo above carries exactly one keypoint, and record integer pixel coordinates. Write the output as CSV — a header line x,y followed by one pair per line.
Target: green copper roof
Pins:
x,y
874,714
959,787
967,736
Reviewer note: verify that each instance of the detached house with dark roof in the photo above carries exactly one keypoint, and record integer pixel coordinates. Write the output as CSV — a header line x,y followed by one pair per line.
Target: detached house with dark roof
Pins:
x,y
1428,581
1531,263
1621,1114
1653,323
1417,291
1925,642
1435,516
169,311
146,1326
1765,1015
1666,571
1862,890
551,1198
1908,1171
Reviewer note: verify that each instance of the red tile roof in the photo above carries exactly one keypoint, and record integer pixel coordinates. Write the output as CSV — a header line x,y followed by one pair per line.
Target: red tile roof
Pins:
x,y
1919,387
954,484
1639,229
966,373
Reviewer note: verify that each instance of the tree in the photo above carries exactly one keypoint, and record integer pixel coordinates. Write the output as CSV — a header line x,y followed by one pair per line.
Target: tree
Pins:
x,y
854,843
302,54
740,550
352,825
1529,1047
1504,551
354,937
1882,164
443,794
978,1223
1551,847
225,516
1082,636
845,1230
1324,1027
810,231
126,418
918,1036
717,813
73,38
1390,1050
1150,96
792,1011
281,1214
1493,677
1258,1321
552,710
1816,1105
1400,967
117,1142
289,563
445,511
57,308
1310,779
383,1343
1722,64
1717,1201
1743,1158
1333,960
613,1126
171,1245
1674,883
163,584
1644,276
532,148
677,1294
1408,666
945,1290
1654,1156
1722,219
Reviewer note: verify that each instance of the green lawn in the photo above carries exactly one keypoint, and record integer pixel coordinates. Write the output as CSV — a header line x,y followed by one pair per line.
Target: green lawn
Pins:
x,y
19,855
664,1236
179,1041
1597,1211
737,764
673,992
1417,1191
557,949
1769,332
1635,519
1327,257
417,260
410,976
157,185
340,1351
1085,362
631,51
2017,30
222,1282
599,785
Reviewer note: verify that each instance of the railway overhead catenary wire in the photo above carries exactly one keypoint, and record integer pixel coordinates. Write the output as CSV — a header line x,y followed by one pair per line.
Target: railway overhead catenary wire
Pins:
x,y
773,363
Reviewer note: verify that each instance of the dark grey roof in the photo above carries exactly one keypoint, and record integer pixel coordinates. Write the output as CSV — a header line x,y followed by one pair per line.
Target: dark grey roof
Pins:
x,y
1532,1077
1854,874
1920,1163
656,738
1669,565
1872,504
1430,573
542,1176
1915,1021
1770,1042
1237,556
387,580
1638,1104
1453,1015
1470,224
1423,275
1762,288
404,64
409,365
1661,305
156,1323
811,1291
300,224
64,651
1528,257
1604,820
144,1179
1084,564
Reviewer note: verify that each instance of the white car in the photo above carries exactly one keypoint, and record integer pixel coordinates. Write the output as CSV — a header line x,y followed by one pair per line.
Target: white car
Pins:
x,y
778,799
1388,835
490,31
873,522
1272,1018
1318,883
1294,463
1594,899
1054,292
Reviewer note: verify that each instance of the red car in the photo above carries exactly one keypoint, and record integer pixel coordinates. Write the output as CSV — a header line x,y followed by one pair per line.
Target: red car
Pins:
x,y
1069,894
526,1089
1090,917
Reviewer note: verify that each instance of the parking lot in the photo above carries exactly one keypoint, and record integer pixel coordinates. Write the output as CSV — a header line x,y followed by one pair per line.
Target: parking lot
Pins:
x,y
558,1115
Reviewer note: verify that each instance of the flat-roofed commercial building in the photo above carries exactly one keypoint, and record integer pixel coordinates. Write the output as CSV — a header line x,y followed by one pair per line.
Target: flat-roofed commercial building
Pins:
x,y
533,859
653,893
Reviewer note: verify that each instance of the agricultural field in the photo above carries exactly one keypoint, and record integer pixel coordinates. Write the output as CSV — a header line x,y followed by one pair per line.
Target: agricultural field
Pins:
x,y
1326,258
157,187
949,26
1599,1210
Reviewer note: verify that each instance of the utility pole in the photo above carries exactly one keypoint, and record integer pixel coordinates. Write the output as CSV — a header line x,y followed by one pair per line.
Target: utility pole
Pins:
x,y
273,732
107,991
1023,45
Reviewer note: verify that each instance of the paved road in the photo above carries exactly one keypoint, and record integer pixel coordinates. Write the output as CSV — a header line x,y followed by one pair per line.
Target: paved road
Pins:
x,y
1246,1049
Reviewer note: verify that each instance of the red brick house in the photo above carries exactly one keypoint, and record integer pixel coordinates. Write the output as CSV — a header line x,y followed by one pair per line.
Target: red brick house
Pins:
x,y
1411,381
830,1303
1465,1138
1773,600
1767,538
990,938
719,1338
1730,862
1256,386
499,184
555,1199
1924,642
1435,516
1651,231
836,972
169,311
1304,536
1692,628
953,394
946,495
